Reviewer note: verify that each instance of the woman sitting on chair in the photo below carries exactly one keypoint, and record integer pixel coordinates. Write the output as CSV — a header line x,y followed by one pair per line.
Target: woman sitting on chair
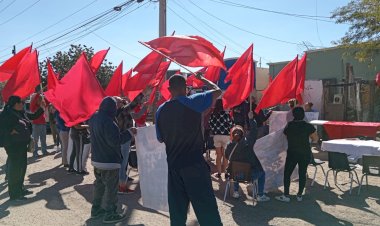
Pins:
x,y
241,150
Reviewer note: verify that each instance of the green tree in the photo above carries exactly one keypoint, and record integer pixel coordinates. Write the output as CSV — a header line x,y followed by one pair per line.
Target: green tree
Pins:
x,y
364,31
62,61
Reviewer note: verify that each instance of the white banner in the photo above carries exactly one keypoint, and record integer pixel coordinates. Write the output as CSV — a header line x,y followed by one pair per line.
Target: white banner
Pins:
x,y
271,152
153,169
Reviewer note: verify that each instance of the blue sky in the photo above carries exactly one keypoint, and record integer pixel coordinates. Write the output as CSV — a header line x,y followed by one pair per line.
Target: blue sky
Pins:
x,y
142,24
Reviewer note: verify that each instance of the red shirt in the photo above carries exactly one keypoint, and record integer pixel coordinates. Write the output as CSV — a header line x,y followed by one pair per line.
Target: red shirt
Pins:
x,y
34,107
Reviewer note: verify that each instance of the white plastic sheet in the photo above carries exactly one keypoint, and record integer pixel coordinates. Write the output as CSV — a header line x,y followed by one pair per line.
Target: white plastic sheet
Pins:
x,y
153,169
271,152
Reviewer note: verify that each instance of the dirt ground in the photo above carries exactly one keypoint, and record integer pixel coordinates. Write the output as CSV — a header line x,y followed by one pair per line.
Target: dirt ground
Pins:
x,y
62,199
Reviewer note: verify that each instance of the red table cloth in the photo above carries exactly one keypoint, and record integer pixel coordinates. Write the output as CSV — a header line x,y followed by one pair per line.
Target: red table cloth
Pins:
x,y
339,130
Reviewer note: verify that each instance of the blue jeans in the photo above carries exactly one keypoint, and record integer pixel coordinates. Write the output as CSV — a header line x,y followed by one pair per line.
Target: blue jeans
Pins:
x,y
125,154
259,176
39,133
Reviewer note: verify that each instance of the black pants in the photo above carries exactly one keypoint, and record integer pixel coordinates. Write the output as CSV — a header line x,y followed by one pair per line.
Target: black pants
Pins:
x,y
17,161
291,162
106,184
192,184
77,152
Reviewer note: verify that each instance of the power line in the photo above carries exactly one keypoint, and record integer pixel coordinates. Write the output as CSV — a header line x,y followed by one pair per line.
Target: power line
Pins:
x,y
101,25
6,7
316,22
43,30
110,43
23,11
242,29
303,16
215,30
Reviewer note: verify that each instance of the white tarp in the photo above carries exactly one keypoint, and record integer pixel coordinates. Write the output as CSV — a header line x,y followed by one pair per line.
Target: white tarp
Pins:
x,y
271,152
278,119
313,93
153,169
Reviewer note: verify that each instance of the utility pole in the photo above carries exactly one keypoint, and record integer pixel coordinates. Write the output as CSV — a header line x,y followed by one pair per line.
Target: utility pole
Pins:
x,y
162,18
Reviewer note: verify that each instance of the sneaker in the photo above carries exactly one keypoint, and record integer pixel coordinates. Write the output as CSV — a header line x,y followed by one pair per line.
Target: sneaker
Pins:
x,y
71,171
130,179
283,198
27,192
262,198
236,195
36,156
82,173
123,190
99,213
66,165
299,198
19,199
217,175
114,218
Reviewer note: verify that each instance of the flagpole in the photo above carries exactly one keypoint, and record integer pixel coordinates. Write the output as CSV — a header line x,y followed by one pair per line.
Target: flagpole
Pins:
x,y
295,90
169,58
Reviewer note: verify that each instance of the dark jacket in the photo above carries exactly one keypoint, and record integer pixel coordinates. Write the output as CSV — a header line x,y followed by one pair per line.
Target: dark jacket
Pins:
x,y
244,151
106,137
19,121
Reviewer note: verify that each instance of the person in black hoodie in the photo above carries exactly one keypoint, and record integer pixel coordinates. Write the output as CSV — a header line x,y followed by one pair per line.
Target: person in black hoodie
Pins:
x,y
16,131
241,150
106,157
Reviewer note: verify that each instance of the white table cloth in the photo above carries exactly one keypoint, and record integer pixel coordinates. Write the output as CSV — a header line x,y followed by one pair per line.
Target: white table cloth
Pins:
x,y
354,148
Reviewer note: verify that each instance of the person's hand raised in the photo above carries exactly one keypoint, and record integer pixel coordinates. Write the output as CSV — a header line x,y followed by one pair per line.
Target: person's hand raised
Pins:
x,y
250,115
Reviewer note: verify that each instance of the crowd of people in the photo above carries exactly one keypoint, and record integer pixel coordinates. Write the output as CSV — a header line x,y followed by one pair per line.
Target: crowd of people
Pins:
x,y
182,123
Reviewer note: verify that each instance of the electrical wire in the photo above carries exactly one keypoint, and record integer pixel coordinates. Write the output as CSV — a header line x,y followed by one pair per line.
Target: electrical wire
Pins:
x,y
242,29
112,44
215,30
20,13
52,25
316,23
6,7
303,16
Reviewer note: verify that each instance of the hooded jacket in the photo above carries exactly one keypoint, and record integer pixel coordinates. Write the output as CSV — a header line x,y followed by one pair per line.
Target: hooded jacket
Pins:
x,y
106,137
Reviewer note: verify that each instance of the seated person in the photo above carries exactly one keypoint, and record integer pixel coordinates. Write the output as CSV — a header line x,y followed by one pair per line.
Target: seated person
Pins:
x,y
244,153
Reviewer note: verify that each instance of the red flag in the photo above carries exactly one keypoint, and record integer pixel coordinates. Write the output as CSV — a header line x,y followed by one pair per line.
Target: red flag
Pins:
x,y
164,90
149,63
25,78
241,75
78,94
10,65
301,76
115,86
193,51
125,79
52,77
97,60
280,87
154,83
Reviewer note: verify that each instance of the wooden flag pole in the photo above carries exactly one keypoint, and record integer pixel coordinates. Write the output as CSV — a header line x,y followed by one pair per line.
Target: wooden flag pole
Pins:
x,y
169,58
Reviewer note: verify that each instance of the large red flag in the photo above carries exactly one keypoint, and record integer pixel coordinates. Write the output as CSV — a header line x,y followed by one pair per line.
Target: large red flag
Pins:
x,y
300,76
78,94
211,73
52,77
241,75
154,83
280,87
97,60
149,63
25,78
115,86
10,65
125,79
193,51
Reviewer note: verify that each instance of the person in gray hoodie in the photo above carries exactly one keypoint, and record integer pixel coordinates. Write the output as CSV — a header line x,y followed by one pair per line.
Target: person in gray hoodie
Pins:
x,y
106,139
